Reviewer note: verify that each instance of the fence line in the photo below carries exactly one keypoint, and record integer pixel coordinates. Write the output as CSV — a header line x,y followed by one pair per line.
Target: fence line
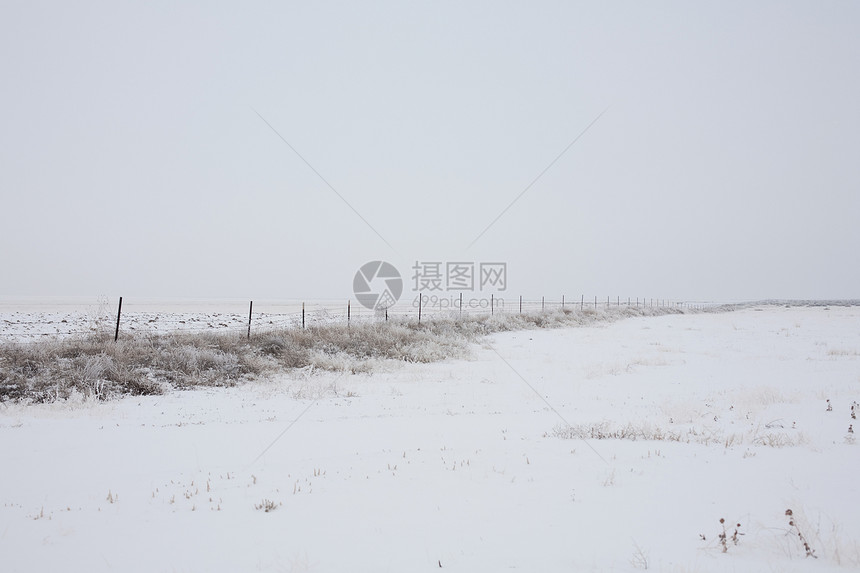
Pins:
x,y
22,327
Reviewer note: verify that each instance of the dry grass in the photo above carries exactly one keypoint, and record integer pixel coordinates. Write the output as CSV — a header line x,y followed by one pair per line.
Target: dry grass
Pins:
x,y
843,352
149,364
97,366
685,433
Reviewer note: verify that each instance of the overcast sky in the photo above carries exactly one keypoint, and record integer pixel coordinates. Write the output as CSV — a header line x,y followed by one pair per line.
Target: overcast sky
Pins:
x,y
135,159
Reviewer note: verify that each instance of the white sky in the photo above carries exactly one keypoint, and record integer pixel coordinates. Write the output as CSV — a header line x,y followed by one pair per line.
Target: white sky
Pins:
x,y
132,161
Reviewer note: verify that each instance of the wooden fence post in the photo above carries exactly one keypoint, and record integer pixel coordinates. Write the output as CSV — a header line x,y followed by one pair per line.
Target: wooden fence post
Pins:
x,y
250,314
303,316
420,297
491,305
521,304
118,314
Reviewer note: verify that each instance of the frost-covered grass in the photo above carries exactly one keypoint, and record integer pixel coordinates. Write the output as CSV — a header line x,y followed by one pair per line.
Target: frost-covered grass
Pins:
x,y
773,436
141,364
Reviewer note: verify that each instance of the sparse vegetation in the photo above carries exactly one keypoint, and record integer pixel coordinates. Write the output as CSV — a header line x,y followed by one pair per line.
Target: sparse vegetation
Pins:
x,y
724,536
792,522
640,557
267,505
688,434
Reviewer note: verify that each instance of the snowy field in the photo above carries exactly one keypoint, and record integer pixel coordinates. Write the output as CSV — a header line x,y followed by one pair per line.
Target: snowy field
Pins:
x,y
610,448
38,318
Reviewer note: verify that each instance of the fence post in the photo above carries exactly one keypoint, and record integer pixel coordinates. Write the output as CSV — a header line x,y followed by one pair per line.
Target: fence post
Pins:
x,y
521,304
303,316
348,312
461,304
491,305
595,302
420,297
250,314
582,302
562,302
542,303
118,314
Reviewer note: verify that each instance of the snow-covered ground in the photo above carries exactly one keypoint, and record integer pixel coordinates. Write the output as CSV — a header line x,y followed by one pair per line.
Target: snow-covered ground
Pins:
x,y
613,448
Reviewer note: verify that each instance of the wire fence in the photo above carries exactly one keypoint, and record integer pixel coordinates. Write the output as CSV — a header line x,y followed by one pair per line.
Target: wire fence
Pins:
x,y
33,321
